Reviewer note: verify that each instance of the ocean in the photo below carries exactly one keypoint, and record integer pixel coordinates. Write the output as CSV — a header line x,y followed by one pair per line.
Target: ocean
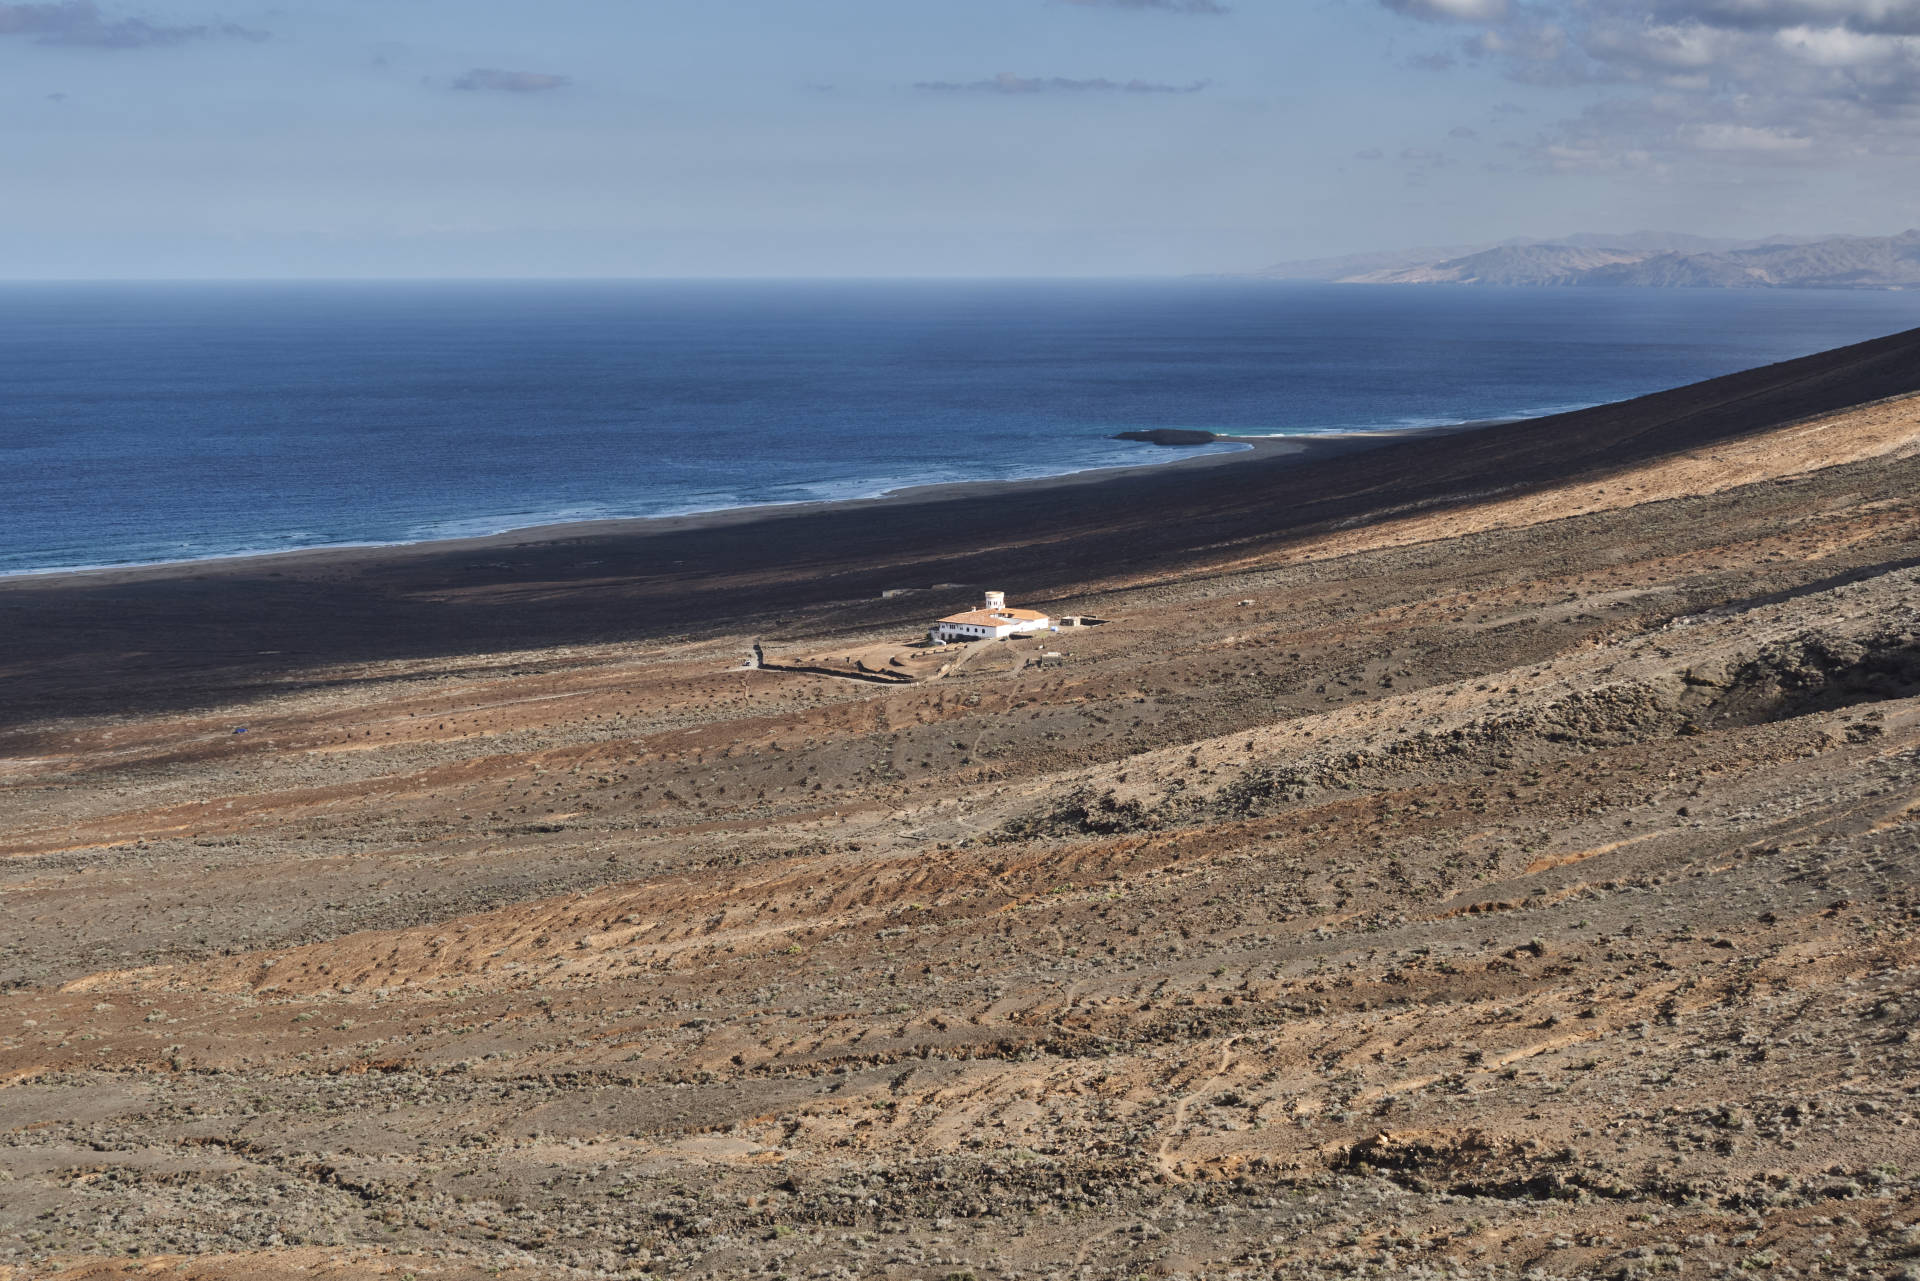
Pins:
x,y
167,422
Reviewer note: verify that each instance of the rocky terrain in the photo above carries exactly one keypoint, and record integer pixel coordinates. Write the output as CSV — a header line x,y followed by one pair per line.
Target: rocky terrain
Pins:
x,y
1520,885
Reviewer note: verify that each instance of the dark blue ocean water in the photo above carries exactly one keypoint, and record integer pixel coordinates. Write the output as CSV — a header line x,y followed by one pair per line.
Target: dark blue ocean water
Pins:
x,y
168,422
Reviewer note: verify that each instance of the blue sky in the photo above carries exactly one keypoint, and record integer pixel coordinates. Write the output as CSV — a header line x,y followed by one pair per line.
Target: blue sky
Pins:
x,y
926,137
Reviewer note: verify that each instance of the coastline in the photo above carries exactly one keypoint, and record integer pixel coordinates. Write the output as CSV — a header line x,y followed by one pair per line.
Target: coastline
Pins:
x,y
1303,449
187,635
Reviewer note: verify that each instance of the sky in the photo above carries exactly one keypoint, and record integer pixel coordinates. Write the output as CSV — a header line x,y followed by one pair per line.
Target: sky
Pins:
x,y
748,138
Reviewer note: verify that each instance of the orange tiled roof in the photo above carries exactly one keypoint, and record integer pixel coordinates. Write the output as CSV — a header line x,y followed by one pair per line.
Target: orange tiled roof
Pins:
x,y
996,617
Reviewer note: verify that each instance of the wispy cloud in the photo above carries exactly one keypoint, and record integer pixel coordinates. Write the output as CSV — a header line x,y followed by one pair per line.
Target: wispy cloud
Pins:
x,y
80,22
495,80
1450,10
1008,83
1165,6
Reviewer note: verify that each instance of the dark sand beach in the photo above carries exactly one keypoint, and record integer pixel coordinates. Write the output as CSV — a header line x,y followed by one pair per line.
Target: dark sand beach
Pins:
x,y
172,635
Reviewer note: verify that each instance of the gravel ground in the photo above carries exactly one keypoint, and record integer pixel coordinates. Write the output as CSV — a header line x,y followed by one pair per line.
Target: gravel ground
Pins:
x,y
1527,893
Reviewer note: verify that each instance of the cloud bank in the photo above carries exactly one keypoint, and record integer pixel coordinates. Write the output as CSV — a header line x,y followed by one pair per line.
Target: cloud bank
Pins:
x,y
1799,82
80,23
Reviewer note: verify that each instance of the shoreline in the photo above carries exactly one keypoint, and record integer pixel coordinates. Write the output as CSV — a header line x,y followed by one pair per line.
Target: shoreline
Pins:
x,y
1304,449
187,634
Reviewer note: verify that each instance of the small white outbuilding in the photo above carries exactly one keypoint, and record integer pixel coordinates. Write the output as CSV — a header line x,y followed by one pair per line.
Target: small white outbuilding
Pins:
x,y
992,621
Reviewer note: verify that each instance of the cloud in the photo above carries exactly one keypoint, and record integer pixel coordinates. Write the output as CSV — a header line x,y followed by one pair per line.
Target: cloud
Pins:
x,y
80,22
1871,17
1713,82
1165,6
1839,47
1451,10
1463,131
1569,157
1730,137
1527,45
494,80
1008,83
1656,48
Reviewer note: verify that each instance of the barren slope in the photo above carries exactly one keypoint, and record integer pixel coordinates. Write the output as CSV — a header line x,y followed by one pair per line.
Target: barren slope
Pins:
x,y
1524,882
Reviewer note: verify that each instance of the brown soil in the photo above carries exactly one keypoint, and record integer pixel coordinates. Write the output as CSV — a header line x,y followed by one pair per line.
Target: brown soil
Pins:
x,y
1435,867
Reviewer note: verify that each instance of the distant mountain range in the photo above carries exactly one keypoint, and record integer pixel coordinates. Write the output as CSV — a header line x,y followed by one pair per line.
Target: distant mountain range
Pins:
x,y
1648,259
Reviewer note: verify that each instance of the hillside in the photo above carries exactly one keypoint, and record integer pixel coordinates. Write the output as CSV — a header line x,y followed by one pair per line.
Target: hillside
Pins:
x,y
1485,856
1642,260
1508,265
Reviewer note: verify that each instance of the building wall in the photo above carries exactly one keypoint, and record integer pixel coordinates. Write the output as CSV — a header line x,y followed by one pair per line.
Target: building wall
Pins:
x,y
966,631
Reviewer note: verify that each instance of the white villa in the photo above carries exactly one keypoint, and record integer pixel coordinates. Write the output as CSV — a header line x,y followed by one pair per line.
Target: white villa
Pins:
x,y
992,621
